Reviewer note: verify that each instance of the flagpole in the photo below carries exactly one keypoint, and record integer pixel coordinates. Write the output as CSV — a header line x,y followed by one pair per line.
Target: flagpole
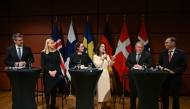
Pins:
x,y
107,18
71,19
142,16
70,94
71,97
55,19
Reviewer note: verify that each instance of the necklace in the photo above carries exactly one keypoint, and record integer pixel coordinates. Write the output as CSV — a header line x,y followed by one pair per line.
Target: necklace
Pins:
x,y
80,58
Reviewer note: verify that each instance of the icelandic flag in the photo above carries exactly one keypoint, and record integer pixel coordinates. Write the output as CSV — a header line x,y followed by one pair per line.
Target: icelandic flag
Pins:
x,y
88,43
143,37
58,47
71,40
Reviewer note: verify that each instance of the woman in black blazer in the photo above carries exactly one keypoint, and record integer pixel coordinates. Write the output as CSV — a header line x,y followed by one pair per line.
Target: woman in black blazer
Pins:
x,y
79,56
50,62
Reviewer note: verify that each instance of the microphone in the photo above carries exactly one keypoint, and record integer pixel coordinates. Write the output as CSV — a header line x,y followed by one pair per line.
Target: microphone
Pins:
x,y
104,52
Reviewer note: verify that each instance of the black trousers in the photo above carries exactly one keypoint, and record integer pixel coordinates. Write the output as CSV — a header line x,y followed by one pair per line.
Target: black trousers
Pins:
x,y
133,94
175,91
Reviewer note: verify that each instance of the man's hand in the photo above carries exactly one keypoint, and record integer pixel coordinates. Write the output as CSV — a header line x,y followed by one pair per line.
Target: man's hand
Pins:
x,y
160,67
137,66
171,72
22,63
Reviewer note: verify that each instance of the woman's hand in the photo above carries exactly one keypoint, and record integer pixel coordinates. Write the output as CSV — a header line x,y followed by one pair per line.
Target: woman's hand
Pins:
x,y
52,73
113,58
104,56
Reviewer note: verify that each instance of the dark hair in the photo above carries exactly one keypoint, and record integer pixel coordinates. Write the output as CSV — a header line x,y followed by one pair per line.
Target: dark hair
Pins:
x,y
173,39
77,45
98,48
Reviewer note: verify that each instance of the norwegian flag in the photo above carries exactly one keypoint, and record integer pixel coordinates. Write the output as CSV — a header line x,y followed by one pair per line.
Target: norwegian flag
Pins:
x,y
143,37
58,46
122,51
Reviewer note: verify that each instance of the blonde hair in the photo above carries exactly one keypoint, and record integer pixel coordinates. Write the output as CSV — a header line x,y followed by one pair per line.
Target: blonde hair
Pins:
x,y
46,48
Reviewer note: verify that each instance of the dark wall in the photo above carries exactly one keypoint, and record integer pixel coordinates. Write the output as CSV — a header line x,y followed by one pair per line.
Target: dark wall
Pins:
x,y
35,18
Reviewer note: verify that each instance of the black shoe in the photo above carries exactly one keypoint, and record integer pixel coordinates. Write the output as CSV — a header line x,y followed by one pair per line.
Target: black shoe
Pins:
x,y
48,107
53,107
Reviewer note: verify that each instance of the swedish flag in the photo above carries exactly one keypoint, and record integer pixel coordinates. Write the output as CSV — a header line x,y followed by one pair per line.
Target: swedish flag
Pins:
x,y
88,42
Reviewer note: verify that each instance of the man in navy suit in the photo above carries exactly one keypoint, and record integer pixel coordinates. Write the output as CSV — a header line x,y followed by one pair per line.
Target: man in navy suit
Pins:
x,y
174,61
18,53
136,60
22,55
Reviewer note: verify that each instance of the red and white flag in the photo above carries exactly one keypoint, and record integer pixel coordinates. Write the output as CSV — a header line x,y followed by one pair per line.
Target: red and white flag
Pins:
x,y
122,51
143,36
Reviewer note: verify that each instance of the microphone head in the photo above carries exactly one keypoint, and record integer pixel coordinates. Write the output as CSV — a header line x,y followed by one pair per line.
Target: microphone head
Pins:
x,y
104,51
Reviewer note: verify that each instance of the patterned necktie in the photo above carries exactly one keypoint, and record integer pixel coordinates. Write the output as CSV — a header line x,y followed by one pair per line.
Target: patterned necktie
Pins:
x,y
170,56
19,53
138,58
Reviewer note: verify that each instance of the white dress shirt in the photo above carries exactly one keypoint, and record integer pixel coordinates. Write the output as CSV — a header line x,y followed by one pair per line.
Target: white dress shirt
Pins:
x,y
21,49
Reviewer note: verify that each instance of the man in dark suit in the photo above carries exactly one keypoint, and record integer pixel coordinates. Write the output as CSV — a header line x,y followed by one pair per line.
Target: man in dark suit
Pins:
x,y
18,53
136,60
21,55
174,61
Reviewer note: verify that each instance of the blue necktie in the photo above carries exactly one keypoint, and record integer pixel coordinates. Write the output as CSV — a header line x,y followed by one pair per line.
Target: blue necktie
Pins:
x,y
19,54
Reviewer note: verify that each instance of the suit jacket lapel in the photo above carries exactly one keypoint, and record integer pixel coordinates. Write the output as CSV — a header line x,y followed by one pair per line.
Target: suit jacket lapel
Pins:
x,y
142,55
15,52
174,55
166,56
134,57
23,52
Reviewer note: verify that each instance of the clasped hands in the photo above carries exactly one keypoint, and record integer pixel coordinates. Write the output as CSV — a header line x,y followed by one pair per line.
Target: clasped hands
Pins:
x,y
162,68
137,66
21,63
52,73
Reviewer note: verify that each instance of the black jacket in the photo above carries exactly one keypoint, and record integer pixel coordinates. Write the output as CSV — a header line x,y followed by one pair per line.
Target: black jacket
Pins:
x,y
178,64
75,58
131,60
11,56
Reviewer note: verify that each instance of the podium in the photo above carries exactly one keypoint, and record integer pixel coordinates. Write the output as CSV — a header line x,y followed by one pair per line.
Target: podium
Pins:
x,y
23,84
85,83
148,84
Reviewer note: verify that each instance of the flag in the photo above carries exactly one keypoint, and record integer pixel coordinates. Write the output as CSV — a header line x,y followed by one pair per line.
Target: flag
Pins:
x,y
106,38
122,51
71,40
143,37
58,47
88,43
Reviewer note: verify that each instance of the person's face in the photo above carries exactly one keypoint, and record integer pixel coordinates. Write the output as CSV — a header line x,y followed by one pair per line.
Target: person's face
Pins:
x,y
169,44
102,48
51,44
139,48
81,48
19,41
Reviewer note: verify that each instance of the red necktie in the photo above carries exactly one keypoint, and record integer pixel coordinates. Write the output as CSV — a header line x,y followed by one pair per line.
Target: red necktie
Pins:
x,y
170,56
